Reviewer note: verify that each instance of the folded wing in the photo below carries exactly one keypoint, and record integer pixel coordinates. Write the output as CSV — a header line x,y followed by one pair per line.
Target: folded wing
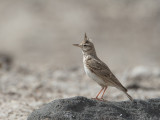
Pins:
x,y
101,69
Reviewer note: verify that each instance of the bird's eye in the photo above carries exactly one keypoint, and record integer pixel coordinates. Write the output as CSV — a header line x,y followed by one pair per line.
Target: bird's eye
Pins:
x,y
84,45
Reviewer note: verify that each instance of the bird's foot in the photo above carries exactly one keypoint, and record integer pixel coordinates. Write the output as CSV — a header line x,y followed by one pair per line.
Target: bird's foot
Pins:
x,y
99,99
103,100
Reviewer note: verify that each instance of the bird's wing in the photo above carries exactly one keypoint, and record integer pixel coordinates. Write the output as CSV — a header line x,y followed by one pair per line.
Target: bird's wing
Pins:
x,y
102,70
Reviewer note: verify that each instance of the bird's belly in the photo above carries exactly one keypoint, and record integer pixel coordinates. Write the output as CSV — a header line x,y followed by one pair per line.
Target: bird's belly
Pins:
x,y
94,77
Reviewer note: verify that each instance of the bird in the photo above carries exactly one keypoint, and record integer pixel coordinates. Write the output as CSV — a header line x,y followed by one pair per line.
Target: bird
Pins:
x,y
98,70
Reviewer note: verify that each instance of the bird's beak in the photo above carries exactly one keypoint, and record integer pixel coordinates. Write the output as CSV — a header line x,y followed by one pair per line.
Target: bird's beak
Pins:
x,y
77,45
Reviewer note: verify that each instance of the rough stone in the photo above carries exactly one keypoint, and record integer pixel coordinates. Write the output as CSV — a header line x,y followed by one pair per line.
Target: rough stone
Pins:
x,y
81,108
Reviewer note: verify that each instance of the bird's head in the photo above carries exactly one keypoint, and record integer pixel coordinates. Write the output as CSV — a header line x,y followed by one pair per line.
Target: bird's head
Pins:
x,y
86,45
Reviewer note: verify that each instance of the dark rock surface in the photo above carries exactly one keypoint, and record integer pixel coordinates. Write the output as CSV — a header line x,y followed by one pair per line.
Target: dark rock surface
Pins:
x,y
81,108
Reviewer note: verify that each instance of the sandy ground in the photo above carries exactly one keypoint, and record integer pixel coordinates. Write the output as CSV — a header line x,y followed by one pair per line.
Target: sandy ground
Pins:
x,y
38,36
24,89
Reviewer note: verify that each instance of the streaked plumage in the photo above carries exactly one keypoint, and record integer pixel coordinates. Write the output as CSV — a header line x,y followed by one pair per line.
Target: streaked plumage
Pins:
x,y
98,70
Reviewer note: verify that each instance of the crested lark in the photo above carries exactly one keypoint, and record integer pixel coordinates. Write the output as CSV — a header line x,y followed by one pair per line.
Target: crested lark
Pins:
x,y
98,70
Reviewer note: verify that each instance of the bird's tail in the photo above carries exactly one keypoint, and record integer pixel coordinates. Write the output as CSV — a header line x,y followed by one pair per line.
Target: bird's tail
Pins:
x,y
129,96
125,91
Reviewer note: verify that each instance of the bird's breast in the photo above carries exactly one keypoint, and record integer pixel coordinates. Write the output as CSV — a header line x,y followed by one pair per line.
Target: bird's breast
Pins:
x,y
93,75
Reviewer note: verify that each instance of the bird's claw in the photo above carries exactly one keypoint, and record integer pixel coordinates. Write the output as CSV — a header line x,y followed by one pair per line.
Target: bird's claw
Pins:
x,y
99,99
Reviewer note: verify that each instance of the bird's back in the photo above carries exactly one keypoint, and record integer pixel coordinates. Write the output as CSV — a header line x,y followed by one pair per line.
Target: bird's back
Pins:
x,y
102,71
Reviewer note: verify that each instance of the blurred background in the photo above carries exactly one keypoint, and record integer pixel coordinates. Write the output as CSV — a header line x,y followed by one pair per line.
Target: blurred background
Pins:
x,y
38,62
125,32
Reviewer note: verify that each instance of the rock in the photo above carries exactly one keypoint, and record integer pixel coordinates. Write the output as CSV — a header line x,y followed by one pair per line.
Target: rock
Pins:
x,y
6,61
143,72
81,108
142,77
140,72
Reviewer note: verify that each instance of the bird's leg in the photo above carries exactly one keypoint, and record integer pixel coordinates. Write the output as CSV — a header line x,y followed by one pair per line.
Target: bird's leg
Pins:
x,y
103,93
98,94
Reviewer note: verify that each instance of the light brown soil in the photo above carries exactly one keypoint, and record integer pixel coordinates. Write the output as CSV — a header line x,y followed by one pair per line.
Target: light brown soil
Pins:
x,y
39,36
